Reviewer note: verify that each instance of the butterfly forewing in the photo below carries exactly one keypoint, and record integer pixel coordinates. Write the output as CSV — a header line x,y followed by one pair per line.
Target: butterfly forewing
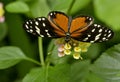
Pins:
x,y
95,33
80,24
59,21
39,26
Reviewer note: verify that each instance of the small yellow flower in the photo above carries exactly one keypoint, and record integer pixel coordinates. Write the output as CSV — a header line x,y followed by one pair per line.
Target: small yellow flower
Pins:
x,y
77,49
84,44
77,56
1,10
67,46
84,49
67,52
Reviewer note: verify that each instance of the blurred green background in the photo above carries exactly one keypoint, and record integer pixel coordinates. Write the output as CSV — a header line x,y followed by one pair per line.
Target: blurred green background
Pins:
x,y
104,66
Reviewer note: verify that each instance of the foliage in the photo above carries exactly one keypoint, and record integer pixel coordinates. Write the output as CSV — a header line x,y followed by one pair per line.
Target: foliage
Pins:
x,y
101,63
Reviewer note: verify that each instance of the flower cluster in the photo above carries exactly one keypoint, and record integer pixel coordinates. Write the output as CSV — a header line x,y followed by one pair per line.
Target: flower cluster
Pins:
x,y
72,47
2,18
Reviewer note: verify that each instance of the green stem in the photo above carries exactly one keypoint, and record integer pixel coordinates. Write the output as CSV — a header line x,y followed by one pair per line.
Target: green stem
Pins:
x,y
70,7
41,51
32,60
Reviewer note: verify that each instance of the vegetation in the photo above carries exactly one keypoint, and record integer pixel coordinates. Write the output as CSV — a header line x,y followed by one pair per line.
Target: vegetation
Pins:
x,y
27,58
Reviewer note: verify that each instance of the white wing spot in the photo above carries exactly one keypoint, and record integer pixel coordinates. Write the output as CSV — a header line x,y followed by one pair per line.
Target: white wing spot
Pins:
x,y
93,30
26,26
27,30
92,41
46,30
43,18
89,35
48,34
106,30
100,30
36,23
30,21
103,38
41,35
37,30
85,39
90,18
51,14
95,24
31,30
98,26
105,34
109,31
44,24
39,19
97,37
27,22
109,35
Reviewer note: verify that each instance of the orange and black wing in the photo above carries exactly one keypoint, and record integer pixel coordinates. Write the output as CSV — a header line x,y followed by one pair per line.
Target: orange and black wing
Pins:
x,y
59,22
80,24
83,30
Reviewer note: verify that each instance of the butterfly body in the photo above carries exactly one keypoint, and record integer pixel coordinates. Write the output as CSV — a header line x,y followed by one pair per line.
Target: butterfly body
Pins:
x,y
59,25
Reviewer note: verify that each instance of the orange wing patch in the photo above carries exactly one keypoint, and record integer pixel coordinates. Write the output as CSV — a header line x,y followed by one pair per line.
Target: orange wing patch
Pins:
x,y
59,21
79,25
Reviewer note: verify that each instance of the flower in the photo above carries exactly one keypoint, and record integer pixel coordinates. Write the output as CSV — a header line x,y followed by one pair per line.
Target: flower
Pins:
x,y
77,56
73,47
77,49
67,51
2,18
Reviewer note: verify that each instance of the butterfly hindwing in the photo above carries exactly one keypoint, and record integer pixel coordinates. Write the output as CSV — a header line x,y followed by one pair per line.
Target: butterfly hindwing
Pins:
x,y
39,26
95,33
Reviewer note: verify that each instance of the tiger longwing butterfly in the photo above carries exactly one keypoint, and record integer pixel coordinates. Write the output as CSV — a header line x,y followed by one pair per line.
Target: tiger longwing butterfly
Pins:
x,y
58,25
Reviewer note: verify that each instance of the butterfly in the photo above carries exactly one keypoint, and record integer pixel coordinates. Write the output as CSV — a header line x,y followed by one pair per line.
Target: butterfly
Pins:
x,y
58,24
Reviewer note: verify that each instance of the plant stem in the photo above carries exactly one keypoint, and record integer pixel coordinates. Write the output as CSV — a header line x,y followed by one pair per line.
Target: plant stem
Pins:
x,y
41,51
32,60
70,7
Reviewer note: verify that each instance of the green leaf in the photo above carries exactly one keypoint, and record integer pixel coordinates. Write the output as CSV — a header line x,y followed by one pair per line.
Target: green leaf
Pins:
x,y
71,6
94,78
25,0
17,37
79,71
38,8
3,30
108,65
78,5
108,12
17,7
10,56
59,5
58,73
35,75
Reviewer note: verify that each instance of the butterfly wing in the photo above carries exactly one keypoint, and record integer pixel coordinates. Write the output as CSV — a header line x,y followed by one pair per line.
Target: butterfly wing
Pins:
x,y
80,24
59,22
39,26
95,33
